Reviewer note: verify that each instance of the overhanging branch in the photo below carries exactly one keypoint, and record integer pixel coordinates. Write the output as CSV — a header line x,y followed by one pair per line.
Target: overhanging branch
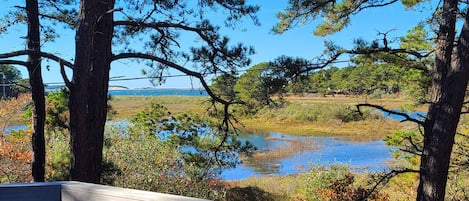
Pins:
x,y
388,50
14,62
226,104
158,25
43,54
388,176
402,114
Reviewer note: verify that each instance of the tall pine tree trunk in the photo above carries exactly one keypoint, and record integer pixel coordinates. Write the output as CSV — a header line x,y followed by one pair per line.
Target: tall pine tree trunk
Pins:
x,y
450,79
89,87
37,89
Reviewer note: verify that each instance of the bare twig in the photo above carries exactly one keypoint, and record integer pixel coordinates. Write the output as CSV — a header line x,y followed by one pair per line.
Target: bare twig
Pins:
x,y
385,178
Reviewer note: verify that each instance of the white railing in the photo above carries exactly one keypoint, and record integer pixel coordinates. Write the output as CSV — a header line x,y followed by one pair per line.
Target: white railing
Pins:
x,y
79,191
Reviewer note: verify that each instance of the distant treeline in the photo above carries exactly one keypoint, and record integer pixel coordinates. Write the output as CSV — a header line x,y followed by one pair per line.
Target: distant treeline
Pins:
x,y
364,80
261,82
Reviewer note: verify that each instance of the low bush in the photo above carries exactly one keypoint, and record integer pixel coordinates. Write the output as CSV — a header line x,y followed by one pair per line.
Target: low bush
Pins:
x,y
15,158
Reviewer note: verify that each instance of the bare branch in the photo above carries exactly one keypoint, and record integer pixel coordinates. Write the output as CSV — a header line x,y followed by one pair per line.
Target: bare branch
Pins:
x,y
402,114
14,62
64,76
43,54
387,50
388,176
410,152
377,5
413,144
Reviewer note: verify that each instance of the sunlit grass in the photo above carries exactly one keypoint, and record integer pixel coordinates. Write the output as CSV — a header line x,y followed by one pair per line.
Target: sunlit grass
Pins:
x,y
394,103
287,120
366,130
286,187
127,106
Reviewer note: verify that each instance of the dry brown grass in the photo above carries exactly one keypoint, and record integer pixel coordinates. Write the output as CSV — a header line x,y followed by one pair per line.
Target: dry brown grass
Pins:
x,y
126,106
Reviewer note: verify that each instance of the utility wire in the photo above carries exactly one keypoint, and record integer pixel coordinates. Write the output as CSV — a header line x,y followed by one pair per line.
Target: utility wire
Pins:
x,y
184,75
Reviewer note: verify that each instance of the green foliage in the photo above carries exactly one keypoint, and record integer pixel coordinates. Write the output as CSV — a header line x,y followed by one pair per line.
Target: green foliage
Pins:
x,y
335,182
416,39
57,113
335,14
287,71
205,147
252,89
259,84
223,86
322,82
409,144
172,154
321,177
58,157
411,3
57,116
12,76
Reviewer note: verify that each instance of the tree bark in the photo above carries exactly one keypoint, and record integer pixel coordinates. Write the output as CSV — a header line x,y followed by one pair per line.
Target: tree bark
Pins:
x,y
450,79
89,88
37,90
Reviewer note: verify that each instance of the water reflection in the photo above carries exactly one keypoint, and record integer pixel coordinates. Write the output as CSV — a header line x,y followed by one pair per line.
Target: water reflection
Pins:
x,y
282,154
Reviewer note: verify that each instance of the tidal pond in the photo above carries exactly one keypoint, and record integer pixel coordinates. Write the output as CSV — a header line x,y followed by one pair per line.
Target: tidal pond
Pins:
x,y
281,154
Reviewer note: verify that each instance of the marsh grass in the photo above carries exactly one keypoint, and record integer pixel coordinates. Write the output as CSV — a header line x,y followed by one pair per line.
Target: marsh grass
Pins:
x,y
395,103
127,106
305,116
285,187
363,131
315,184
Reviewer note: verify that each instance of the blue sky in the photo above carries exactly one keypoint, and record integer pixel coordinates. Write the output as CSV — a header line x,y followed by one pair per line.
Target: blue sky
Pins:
x,y
297,42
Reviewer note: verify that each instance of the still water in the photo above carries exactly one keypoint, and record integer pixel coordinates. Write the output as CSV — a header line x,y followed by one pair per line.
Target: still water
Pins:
x,y
281,154
294,154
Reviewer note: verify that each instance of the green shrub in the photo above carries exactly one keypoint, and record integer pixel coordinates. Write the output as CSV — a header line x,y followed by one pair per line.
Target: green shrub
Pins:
x,y
58,157
336,182
320,177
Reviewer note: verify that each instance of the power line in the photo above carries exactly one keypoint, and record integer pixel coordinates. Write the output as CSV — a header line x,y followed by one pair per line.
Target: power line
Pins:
x,y
184,75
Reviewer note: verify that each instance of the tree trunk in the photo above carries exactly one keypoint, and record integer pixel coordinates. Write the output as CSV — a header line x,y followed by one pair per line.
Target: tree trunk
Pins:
x,y
37,90
89,87
450,79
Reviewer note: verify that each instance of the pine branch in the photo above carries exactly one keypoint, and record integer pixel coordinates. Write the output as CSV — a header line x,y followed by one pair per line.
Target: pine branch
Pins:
x,y
387,177
402,114
43,54
177,67
14,62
